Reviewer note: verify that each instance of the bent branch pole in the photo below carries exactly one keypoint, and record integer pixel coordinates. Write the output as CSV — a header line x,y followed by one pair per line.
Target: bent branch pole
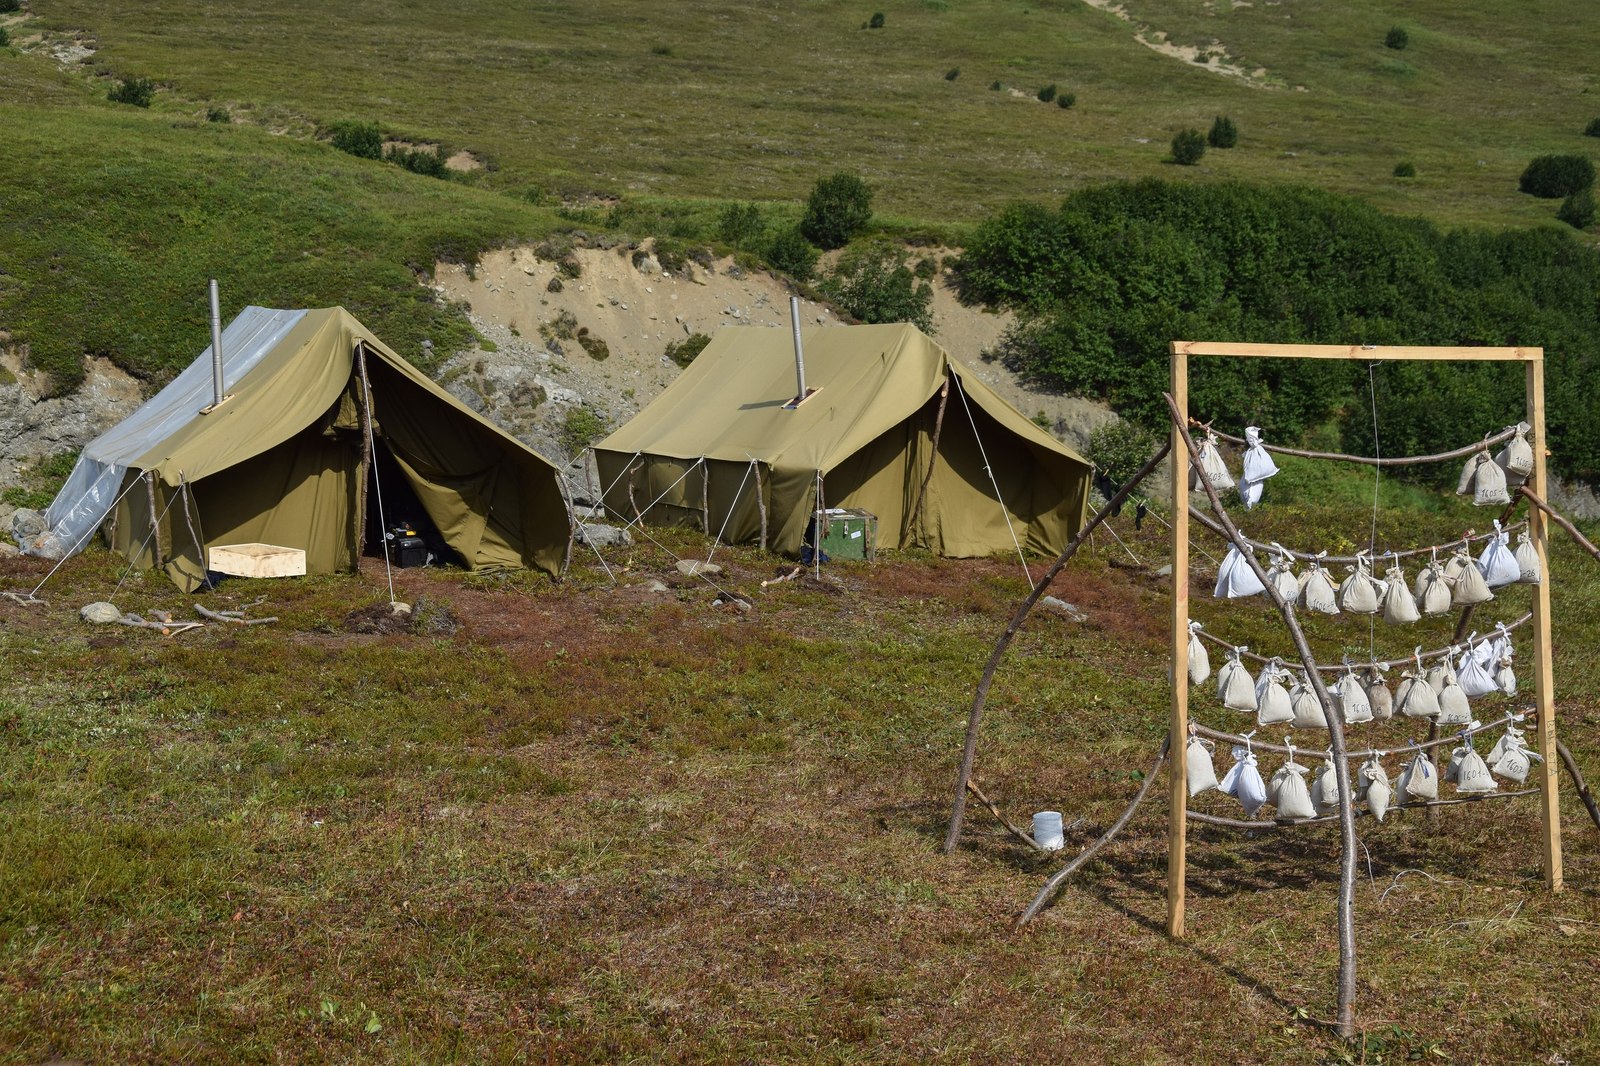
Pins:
x,y
994,809
1347,820
1560,520
981,695
1402,460
1047,893
1578,782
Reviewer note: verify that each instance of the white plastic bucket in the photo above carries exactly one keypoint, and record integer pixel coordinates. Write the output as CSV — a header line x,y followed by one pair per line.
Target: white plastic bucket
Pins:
x,y
1047,831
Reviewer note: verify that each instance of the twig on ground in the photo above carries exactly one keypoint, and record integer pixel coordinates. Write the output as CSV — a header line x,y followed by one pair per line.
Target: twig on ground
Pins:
x,y
233,617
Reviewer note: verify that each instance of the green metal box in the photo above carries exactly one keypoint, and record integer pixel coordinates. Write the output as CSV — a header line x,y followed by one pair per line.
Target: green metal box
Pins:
x,y
850,534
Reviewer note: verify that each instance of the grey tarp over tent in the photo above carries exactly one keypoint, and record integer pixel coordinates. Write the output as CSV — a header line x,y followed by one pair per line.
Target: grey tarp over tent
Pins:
x,y
284,459
700,452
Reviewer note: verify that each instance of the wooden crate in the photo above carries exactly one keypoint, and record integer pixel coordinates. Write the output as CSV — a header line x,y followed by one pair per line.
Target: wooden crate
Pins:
x,y
257,560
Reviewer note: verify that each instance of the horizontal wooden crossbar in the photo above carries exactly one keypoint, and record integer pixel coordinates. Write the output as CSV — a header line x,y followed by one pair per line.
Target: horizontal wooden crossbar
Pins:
x,y
1375,353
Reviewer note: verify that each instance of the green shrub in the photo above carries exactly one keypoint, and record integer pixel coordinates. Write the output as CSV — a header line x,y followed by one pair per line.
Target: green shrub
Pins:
x,y
218,114
740,225
1188,147
8,6
1119,448
581,427
1593,128
661,49
598,349
790,253
1224,134
136,91
1551,177
1405,170
1577,210
361,139
1047,94
840,206
1066,100
995,86
1396,38
428,161
5,38
874,283
683,352
952,74
876,21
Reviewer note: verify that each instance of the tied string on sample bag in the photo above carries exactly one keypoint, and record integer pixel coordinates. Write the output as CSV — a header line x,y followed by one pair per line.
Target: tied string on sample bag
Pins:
x,y
1273,705
1199,658
1529,571
1483,478
1316,591
1516,458
1257,467
1361,593
1497,563
1235,688
1243,781
1308,712
1202,773
1213,466
1399,605
1281,576
1415,697
1288,790
1236,578
1375,788
1379,698
1419,780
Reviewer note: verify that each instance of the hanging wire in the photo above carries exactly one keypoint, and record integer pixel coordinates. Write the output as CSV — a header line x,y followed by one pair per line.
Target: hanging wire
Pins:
x,y
81,540
372,450
984,455
587,542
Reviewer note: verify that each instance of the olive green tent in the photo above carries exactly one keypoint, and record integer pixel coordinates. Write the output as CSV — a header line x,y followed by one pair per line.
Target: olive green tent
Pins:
x,y
895,427
286,459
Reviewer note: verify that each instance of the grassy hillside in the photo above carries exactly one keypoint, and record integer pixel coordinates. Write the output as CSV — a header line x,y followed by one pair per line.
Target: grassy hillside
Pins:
x,y
114,217
605,825
754,101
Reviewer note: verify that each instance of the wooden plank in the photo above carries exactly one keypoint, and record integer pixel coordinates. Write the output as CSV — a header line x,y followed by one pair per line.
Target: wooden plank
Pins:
x,y
1355,351
1544,695
1177,763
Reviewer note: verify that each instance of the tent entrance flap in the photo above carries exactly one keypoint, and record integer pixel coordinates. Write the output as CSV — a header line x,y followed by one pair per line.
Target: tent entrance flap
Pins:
x,y
402,508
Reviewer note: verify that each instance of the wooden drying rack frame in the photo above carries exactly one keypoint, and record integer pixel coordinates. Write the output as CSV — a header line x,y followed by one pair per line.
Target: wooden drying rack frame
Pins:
x,y
1538,531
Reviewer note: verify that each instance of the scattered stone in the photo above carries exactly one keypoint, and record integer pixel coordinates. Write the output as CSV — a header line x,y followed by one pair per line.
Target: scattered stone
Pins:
x,y
600,535
26,524
694,567
7,550
99,613
655,585
1067,610
1164,571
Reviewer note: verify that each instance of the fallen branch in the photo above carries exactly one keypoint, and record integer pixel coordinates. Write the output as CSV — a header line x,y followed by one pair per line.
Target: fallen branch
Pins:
x,y
26,599
969,750
231,617
1050,886
1012,828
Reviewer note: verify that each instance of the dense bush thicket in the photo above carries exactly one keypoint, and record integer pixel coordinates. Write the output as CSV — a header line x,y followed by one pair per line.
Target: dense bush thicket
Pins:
x,y
1554,176
136,91
839,207
1577,210
1107,281
1187,147
874,283
361,139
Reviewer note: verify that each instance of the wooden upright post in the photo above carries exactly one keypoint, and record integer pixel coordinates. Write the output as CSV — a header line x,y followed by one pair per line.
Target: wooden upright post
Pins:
x,y
1177,763
1543,694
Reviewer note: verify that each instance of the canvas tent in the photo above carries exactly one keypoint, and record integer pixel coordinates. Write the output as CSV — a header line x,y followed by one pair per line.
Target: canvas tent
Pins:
x,y
286,460
895,427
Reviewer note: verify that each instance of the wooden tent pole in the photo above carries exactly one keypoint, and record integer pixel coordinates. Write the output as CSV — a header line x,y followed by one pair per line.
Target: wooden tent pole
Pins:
x,y
913,524
155,521
761,502
365,474
1178,730
705,496
1544,696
